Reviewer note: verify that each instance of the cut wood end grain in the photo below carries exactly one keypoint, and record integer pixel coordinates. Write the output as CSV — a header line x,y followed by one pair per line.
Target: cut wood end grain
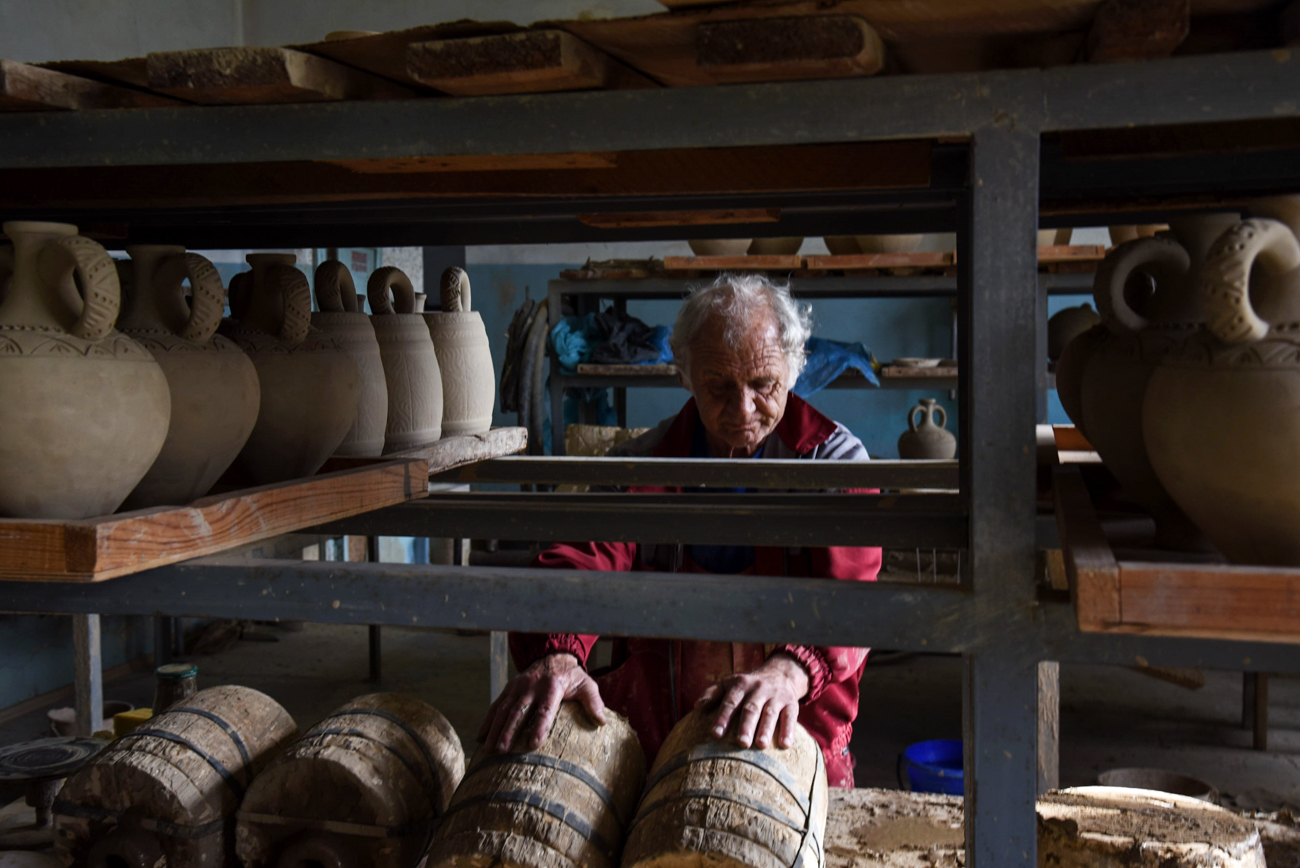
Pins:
x,y
827,46
1138,29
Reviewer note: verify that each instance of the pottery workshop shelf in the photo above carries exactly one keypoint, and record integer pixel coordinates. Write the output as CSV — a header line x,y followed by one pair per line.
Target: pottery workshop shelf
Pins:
x,y
901,264
1148,591
590,376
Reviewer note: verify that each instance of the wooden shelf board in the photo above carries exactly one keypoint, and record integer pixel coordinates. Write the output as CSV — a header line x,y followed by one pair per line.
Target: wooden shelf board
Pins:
x,y
665,370
732,263
452,452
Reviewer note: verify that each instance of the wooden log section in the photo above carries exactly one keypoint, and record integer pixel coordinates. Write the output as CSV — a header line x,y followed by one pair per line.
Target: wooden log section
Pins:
x,y
564,805
166,793
24,87
1138,29
362,789
763,49
712,803
224,76
533,61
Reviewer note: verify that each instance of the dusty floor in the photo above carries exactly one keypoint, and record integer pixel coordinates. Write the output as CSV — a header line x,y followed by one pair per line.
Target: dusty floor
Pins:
x,y
1109,716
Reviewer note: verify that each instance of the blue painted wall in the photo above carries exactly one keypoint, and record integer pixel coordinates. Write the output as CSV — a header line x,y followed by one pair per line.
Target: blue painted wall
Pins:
x,y
36,651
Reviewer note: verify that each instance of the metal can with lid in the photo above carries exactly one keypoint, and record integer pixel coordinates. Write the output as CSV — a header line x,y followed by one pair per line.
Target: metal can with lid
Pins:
x,y
173,683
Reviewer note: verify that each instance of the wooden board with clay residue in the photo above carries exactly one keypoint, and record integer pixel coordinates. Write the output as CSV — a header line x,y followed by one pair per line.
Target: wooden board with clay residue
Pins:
x,y
24,87
117,545
452,452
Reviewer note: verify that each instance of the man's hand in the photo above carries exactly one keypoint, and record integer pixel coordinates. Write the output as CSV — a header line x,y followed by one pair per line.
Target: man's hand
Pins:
x,y
539,689
765,697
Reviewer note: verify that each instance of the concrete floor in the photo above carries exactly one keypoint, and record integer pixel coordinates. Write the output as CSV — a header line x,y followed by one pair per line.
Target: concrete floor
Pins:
x,y
1109,716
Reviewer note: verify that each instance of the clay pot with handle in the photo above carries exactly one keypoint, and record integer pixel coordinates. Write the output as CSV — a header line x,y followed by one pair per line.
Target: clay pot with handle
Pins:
x,y
85,408
1219,418
340,316
310,386
415,390
213,385
927,439
468,378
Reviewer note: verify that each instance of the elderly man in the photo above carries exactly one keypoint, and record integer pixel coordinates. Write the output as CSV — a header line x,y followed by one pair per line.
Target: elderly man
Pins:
x,y
739,347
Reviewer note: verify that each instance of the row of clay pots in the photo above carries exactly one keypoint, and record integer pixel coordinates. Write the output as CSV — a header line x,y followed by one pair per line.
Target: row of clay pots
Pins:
x,y
159,408
1187,389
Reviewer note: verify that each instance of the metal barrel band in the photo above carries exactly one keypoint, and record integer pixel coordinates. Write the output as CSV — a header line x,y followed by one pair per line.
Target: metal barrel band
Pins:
x,y
727,796
425,784
226,775
716,750
148,824
548,761
400,724
341,827
555,809
222,724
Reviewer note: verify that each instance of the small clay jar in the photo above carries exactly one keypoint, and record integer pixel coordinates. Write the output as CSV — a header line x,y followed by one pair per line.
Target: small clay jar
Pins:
x,y
415,389
465,358
213,384
1066,325
310,386
928,439
340,316
86,408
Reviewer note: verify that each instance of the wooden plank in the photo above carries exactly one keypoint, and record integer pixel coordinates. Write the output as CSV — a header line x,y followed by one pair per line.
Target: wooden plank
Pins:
x,y
24,87
1049,725
665,370
130,71
1071,253
480,163
117,545
862,261
1089,562
905,372
1138,29
228,76
1070,438
451,452
532,61
784,49
732,263
722,217
1211,599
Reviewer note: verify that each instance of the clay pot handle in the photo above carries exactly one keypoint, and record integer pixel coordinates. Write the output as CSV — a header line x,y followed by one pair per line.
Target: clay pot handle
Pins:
x,y
240,293
208,296
1225,286
455,291
295,294
336,291
384,279
101,292
937,410
1163,259
911,416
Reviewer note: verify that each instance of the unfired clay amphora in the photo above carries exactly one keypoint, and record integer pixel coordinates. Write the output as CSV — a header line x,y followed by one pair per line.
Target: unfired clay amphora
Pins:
x,y
415,391
929,438
468,379
340,316
1066,325
213,385
310,386
85,408
1222,415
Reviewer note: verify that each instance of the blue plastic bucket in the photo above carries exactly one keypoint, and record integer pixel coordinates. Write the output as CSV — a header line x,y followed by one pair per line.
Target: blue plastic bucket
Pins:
x,y
933,767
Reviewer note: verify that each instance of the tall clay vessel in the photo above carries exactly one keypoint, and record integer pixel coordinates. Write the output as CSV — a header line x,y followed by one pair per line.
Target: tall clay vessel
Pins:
x,y
213,385
410,365
468,380
85,407
927,438
310,386
1220,416
340,316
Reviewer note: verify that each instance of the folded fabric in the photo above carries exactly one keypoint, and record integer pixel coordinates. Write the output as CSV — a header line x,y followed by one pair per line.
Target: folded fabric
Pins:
x,y
608,338
828,359
572,340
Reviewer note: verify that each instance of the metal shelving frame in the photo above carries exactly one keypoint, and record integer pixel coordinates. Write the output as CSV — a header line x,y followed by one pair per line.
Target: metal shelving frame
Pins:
x,y
1001,622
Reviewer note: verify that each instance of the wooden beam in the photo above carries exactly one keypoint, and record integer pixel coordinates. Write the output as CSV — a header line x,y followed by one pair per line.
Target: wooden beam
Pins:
x,y
1089,561
533,61
1138,29
780,49
226,76
480,163
24,87
681,218
1049,725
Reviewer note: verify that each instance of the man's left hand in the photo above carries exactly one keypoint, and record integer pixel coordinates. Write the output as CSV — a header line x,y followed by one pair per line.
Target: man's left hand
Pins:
x,y
766,699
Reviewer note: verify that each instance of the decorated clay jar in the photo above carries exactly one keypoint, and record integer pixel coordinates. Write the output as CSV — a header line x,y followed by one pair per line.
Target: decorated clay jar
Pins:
x,y
1220,417
310,386
340,316
468,379
1066,325
927,438
85,407
213,385
415,390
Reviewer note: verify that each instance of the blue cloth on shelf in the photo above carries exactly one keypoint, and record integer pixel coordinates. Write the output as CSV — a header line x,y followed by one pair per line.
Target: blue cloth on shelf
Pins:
x,y
609,337
828,359
572,340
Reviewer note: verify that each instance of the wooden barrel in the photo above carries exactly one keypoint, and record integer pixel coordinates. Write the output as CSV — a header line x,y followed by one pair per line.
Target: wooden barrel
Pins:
x,y
364,787
565,805
169,789
716,804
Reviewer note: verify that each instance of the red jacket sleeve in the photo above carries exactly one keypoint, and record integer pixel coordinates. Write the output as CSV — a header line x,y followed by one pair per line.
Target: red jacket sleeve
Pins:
x,y
526,648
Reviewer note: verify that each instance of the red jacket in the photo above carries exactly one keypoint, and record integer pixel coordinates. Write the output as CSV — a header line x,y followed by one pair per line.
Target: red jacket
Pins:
x,y
653,682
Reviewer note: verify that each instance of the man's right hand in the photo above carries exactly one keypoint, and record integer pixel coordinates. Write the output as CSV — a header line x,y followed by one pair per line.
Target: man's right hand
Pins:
x,y
539,689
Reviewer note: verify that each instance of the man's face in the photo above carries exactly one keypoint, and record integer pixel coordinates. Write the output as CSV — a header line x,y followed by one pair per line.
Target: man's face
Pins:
x,y
741,387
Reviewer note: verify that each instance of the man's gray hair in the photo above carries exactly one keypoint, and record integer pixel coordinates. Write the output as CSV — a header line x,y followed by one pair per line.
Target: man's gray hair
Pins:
x,y
738,298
